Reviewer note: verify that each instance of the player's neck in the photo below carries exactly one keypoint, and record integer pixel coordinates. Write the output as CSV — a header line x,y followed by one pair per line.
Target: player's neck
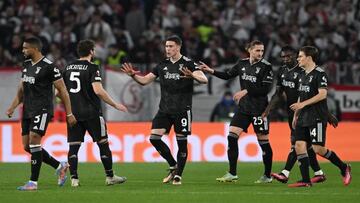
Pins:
x,y
175,58
85,58
309,67
36,58
253,60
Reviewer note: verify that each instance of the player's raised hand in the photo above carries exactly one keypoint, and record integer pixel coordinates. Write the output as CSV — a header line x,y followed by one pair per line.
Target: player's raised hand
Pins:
x,y
71,120
121,107
187,73
205,68
128,69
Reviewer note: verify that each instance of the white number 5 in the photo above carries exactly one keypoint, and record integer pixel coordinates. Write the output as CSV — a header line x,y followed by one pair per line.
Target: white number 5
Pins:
x,y
74,76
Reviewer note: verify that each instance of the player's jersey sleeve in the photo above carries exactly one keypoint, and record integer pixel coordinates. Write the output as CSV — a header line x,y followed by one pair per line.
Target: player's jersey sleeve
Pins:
x,y
233,72
268,75
54,73
95,75
192,66
322,80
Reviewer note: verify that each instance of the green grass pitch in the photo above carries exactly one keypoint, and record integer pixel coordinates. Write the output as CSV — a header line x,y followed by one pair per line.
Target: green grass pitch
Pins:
x,y
199,185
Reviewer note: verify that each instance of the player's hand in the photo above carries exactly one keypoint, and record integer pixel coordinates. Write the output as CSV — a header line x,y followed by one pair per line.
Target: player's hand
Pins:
x,y
297,106
332,120
10,112
265,113
128,69
71,120
205,68
121,107
187,73
238,95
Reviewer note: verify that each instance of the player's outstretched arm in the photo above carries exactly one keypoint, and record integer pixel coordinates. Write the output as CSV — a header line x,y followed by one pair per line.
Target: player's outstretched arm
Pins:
x,y
197,75
64,96
103,95
142,80
223,75
17,100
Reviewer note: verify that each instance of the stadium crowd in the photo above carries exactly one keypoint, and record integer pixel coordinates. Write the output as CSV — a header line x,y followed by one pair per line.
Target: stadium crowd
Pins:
x,y
213,30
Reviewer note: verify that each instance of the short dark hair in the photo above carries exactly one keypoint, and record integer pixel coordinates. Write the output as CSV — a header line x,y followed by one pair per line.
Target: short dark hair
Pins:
x,y
175,38
253,43
288,48
310,51
84,47
35,42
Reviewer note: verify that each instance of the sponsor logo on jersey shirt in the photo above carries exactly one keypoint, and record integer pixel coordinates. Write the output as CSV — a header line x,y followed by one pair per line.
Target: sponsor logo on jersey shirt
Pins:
x,y
248,77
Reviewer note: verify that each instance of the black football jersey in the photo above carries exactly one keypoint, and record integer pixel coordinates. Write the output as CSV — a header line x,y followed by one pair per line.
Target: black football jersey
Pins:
x,y
38,87
176,92
257,79
78,77
309,84
288,82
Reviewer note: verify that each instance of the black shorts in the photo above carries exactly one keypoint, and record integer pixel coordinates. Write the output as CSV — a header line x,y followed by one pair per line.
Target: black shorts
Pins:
x,y
96,127
37,124
314,134
241,120
181,122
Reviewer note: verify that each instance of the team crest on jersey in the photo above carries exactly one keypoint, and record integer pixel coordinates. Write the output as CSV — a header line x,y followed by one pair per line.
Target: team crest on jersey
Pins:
x,y
295,75
243,69
257,70
310,79
25,70
181,66
37,70
166,68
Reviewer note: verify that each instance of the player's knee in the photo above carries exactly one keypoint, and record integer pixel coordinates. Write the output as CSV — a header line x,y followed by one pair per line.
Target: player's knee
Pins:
x,y
154,138
233,135
105,140
27,148
320,150
104,148
73,150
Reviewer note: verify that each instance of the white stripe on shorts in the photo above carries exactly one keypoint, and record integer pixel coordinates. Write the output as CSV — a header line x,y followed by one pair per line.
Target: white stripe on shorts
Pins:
x,y
102,126
43,121
319,132
189,120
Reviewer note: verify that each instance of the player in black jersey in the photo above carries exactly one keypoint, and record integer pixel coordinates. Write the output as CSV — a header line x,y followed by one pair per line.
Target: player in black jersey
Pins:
x,y
311,116
176,74
35,91
287,83
256,78
83,81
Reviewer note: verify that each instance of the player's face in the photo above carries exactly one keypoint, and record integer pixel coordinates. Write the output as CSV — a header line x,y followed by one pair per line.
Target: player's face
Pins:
x,y
171,49
287,57
28,50
256,52
302,59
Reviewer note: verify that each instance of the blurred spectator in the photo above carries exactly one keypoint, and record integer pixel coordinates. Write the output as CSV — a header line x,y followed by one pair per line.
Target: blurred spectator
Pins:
x,y
97,28
224,110
116,57
135,21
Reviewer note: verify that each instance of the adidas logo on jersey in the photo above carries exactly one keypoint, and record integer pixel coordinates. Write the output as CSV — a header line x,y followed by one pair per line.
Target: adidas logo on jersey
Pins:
x,y
35,128
165,68
184,130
